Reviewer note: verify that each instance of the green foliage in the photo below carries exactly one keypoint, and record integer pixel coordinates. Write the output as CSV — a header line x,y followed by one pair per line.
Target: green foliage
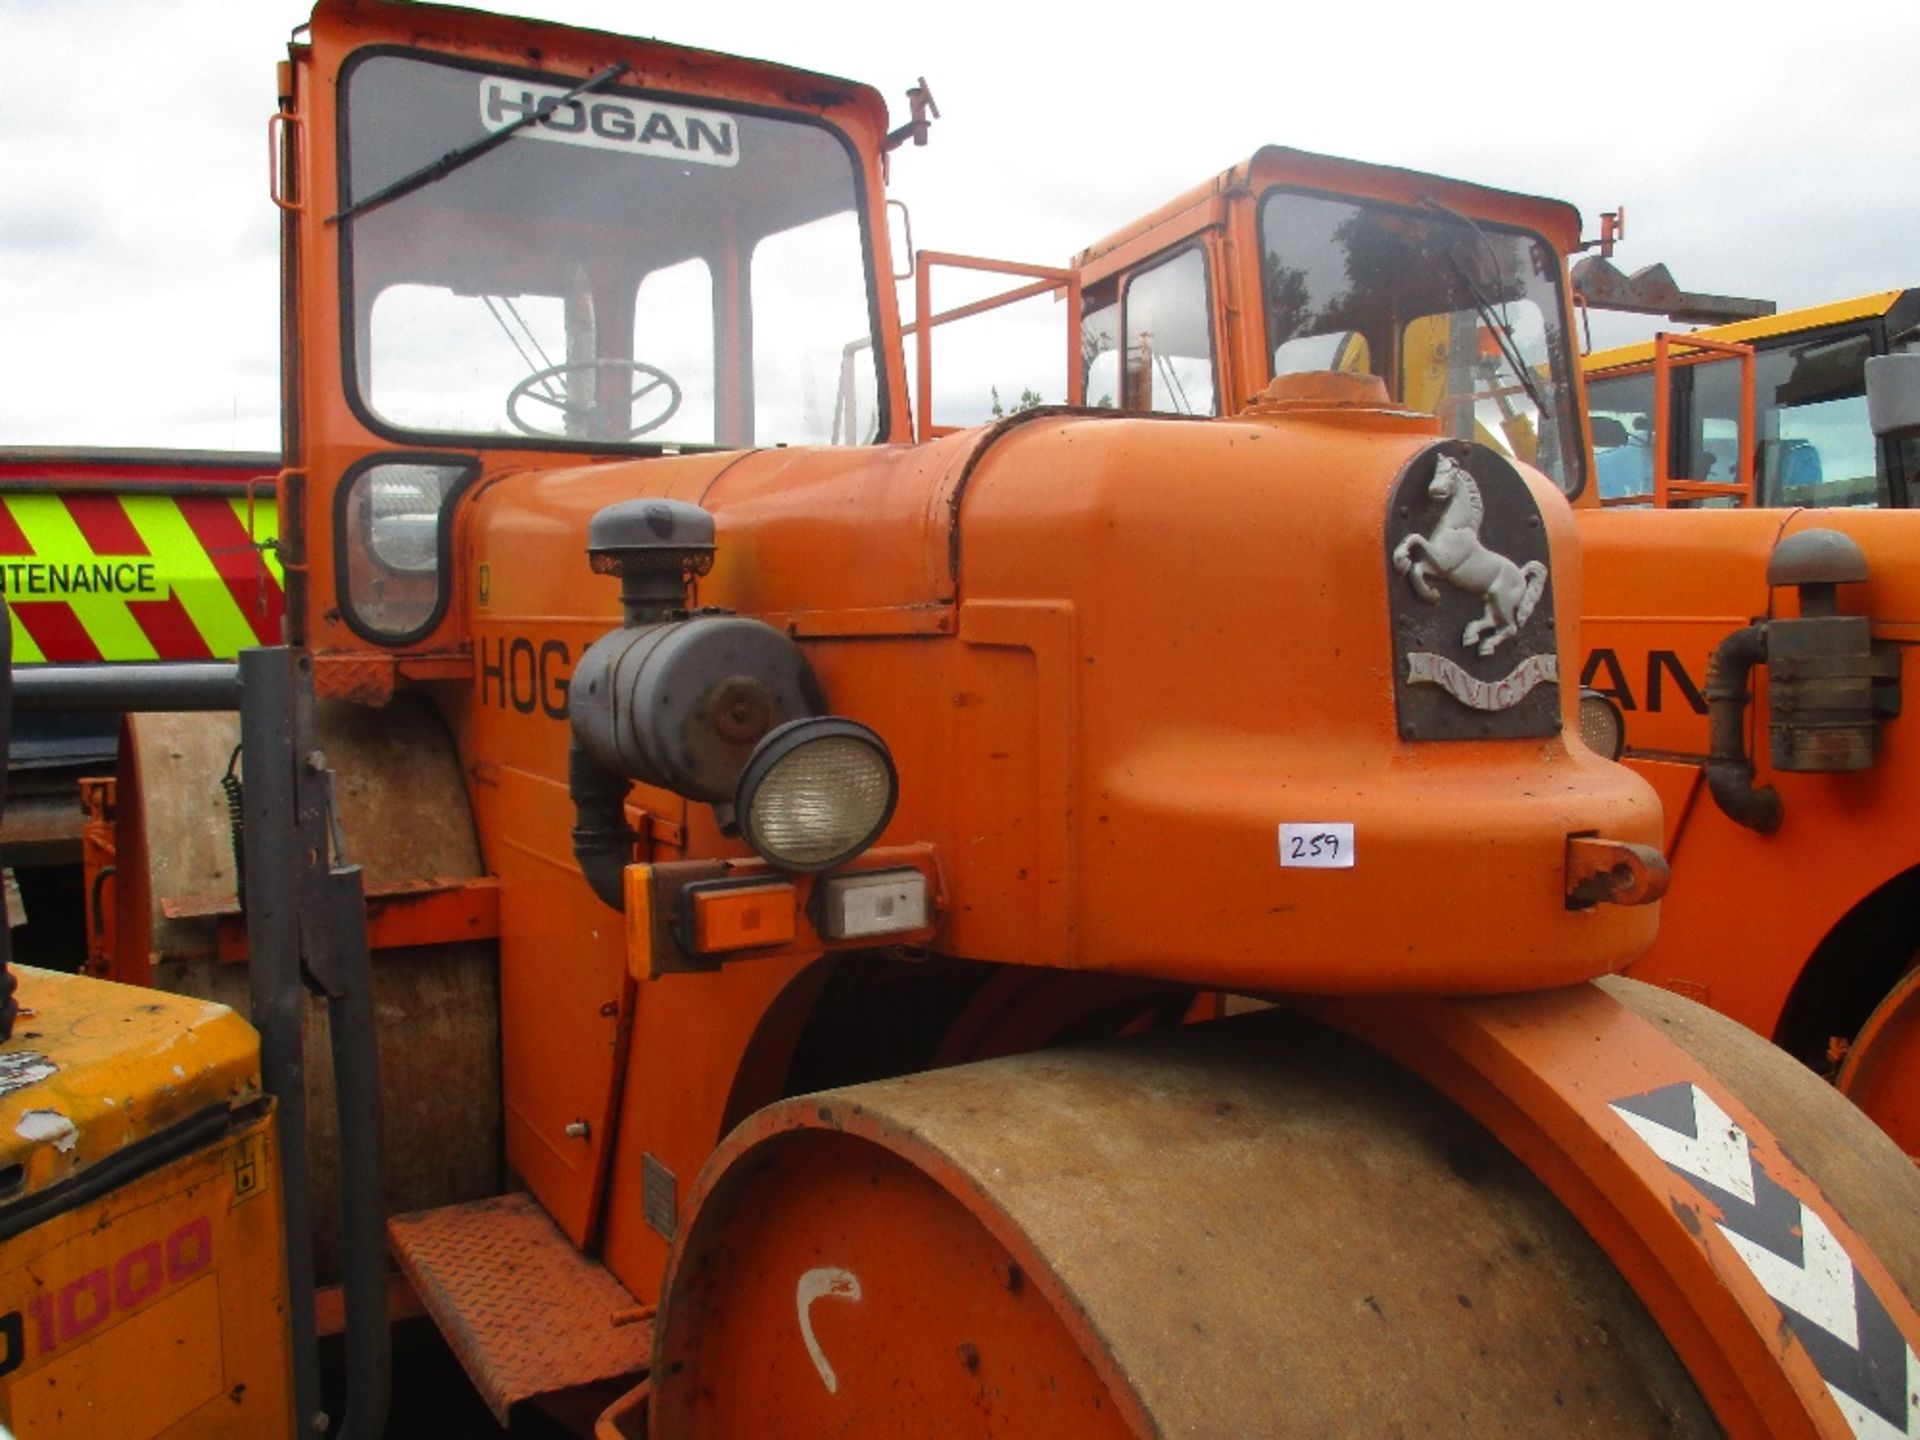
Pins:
x,y
1029,399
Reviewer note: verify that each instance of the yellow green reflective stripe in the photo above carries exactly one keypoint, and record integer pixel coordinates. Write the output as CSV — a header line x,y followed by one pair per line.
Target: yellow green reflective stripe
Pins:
x,y
51,531
266,526
197,584
25,652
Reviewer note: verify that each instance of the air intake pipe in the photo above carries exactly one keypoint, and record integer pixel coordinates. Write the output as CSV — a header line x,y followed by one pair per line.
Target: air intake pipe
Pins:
x,y
675,698
1729,771
1829,687
602,840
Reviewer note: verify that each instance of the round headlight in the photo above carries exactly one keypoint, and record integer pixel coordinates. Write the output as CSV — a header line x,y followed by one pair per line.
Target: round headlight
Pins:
x,y
1602,726
816,792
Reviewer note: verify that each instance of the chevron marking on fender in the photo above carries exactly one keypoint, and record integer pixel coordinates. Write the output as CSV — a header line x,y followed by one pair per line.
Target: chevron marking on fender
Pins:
x,y
1869,1369
1670,1121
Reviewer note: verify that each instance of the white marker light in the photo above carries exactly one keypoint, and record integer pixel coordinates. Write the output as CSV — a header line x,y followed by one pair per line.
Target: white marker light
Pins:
x,y
880,902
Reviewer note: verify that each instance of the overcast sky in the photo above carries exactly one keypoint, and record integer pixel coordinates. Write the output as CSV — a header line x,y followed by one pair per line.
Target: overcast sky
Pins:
x,y
1759,150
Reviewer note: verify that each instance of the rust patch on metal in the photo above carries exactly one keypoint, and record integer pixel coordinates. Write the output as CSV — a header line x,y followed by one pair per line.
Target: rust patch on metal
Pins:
x,y
1321,390
525,1311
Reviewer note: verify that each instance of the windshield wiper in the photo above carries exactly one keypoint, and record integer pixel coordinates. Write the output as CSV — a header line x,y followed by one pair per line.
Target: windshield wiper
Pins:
x,y
454,159
1502,331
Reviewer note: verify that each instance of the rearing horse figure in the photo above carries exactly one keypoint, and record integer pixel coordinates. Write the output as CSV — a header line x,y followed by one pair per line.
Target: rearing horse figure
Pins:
x,y
1452,549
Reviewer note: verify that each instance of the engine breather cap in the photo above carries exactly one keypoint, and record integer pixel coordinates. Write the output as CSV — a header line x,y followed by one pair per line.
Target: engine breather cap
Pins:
x,y
637,536
1817,558
656,547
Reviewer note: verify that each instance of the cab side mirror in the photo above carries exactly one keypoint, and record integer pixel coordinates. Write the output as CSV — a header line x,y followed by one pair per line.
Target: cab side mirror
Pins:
x,y
1893,396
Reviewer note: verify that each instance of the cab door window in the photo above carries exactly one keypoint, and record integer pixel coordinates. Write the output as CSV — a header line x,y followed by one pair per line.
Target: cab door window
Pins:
x,y
1713,426
1167,357
1815,445
1620,410
1812,445
1100,354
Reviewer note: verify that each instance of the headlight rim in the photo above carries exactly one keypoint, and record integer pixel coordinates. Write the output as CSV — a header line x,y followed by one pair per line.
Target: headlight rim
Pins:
x,y
781,743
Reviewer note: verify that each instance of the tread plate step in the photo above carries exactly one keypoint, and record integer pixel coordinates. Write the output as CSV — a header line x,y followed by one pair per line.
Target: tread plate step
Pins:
x,y
525,1311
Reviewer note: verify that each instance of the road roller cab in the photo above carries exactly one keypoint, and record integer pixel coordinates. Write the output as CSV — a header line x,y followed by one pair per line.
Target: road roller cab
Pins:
x,y
802,767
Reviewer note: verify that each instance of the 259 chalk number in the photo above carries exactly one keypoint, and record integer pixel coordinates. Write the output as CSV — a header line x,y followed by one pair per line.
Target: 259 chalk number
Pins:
x,y
1317,846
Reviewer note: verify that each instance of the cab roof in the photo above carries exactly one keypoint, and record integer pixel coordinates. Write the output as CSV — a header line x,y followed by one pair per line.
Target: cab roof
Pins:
x,y
1785,322
545,45
1279,165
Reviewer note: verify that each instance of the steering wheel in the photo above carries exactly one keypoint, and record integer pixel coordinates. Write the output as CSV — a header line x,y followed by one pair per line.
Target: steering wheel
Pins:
x,y
539,387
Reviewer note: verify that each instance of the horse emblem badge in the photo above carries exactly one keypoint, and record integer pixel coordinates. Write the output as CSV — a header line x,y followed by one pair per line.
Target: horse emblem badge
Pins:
x,y
1472,599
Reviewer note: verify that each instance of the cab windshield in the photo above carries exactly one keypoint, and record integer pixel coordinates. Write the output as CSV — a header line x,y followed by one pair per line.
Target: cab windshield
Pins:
x,y
625,271
1460,318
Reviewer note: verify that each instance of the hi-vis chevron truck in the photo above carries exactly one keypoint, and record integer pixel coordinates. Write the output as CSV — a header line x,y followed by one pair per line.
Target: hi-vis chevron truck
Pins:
x,y
112,555
116,556
801,875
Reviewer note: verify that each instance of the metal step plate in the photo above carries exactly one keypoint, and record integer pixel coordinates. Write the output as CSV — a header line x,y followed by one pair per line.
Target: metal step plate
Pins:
x,y
526,1312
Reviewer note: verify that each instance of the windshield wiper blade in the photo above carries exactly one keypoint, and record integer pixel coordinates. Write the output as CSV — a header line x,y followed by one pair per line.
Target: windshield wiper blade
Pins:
x,y
1502,333
454,159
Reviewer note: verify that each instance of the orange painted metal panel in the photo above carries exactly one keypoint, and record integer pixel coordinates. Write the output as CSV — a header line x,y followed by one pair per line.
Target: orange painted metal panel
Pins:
x,y
1747,911
1285,691
419,912
1686,1189
693,1039
562,1006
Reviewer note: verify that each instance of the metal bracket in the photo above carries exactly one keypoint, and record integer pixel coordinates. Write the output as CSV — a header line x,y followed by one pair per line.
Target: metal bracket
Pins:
x,y
1613,872
925,112
306,925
